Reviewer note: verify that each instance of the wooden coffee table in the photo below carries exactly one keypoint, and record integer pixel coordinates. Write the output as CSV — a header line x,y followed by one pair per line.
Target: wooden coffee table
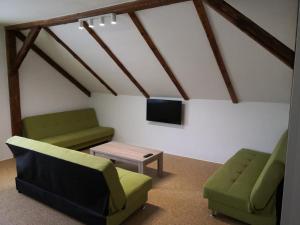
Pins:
x,y
130,154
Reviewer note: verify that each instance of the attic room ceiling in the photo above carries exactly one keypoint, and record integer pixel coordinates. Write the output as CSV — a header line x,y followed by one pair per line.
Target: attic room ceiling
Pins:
x,y
178,34
20,11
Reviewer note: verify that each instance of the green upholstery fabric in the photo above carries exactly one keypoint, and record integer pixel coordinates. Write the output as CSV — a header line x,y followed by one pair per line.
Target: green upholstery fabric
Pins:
x,y
260,218
136,187
73,129
270,177
120,216
118,198
245,186
78,137
133,184
128,190
54,124
233,182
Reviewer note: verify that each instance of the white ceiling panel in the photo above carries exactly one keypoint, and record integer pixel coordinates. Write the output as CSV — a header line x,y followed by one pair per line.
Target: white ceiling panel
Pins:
x,y
178,33
278,17
20,11
257,75
92,53
176,30
66,61
126,42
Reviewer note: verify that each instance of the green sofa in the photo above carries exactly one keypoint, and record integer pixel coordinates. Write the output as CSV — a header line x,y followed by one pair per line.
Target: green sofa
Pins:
x,y
88,188
73,129
245,187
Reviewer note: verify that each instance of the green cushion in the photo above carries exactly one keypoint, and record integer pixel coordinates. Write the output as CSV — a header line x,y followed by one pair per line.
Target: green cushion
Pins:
x,y
134,184
233,182
271,176
136,187
84,136
55,124
117,194
266,217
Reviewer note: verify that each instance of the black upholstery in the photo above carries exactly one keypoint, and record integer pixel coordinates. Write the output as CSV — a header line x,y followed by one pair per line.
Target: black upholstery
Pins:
x,y
76,190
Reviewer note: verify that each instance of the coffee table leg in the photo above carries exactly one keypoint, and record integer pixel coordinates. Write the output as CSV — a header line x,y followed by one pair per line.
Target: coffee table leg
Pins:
x,y
141,167
160,165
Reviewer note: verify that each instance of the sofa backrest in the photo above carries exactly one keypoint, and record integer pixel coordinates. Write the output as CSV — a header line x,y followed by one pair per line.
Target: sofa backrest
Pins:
x,y
49,125
79,177
271,176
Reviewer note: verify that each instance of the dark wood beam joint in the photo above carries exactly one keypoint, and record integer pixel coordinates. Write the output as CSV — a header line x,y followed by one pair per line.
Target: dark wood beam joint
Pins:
x,y
115,59
265,39
157,53
258,34
215,48
117,9
55,65
28,42
65,46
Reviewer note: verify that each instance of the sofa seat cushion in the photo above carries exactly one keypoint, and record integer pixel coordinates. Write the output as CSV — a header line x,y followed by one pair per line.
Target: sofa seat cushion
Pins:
x,y
232,184
79,137
134,184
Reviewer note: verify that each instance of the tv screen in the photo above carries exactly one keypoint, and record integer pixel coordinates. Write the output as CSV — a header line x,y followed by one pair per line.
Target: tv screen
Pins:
x,y
165,111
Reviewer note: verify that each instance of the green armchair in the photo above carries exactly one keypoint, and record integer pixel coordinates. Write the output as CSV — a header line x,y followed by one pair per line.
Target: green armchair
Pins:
x,y
245,187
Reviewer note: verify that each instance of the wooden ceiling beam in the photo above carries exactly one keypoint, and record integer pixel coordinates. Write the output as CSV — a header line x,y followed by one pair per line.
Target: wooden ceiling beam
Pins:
x,y
57,67
273,45
115,59
13,83
215,48
65,46
28,42
117,9
157,53
265,39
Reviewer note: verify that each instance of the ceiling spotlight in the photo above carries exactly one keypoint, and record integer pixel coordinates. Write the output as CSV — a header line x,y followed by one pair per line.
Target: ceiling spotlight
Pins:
x,y
91,23
102,21
80,25
113,18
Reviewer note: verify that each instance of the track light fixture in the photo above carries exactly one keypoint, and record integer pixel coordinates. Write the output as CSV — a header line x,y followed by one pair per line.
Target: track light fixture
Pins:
x,y
102,21
80,25
113,19
91,20
91,23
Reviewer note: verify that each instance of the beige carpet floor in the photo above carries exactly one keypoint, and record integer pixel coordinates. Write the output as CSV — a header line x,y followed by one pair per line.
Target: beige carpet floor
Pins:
x,y
176,198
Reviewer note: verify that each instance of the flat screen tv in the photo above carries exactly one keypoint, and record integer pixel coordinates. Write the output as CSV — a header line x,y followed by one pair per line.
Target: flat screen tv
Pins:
x,y
165,111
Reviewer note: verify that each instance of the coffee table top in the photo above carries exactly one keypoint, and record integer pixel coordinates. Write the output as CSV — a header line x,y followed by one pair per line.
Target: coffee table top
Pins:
x,y
125,151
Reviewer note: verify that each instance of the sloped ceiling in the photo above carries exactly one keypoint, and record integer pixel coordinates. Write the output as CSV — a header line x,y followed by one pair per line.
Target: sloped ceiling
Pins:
x,y
20,11
177,32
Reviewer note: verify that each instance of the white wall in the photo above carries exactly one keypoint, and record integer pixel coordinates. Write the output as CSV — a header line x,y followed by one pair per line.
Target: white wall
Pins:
x,y
291,196
213,130
43,90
